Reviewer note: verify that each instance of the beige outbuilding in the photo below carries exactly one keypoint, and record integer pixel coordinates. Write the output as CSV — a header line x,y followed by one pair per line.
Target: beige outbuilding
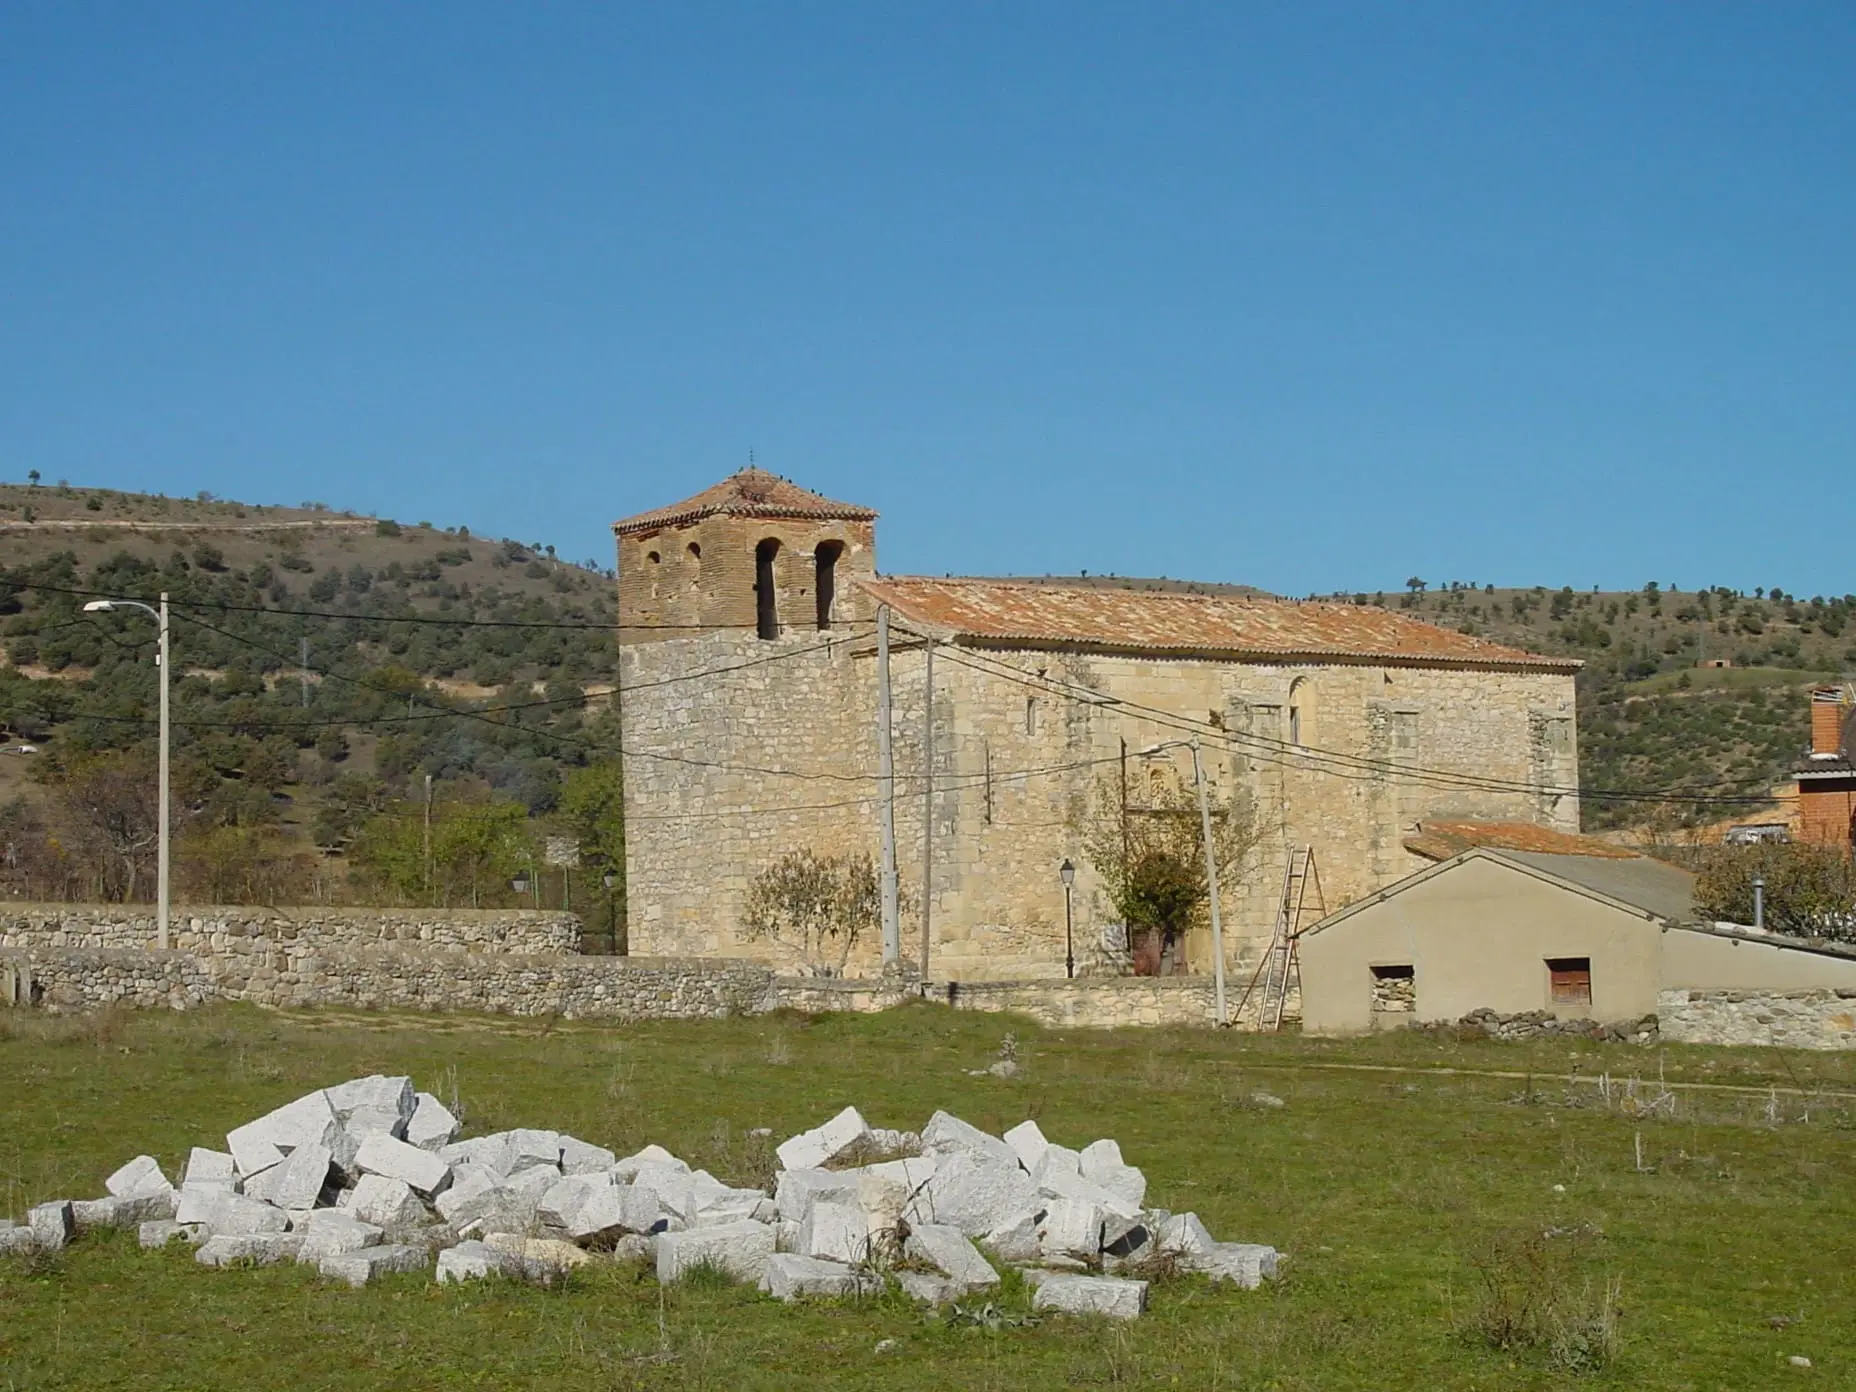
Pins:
x,y
1603,938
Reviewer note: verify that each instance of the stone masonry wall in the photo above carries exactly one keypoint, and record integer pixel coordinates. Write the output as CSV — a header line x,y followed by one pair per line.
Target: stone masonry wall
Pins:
x,y
1820,1019
245,930
612,988
787,740
626,988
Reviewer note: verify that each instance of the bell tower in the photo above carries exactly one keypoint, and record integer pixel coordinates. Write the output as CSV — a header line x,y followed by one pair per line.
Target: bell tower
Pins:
x,y
754,555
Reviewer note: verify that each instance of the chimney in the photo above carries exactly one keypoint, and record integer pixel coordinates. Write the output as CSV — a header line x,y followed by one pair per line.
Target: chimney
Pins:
x,y
1827,711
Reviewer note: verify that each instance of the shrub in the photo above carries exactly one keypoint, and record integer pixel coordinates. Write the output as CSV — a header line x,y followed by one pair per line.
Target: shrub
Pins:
x,y
815,906
1810,890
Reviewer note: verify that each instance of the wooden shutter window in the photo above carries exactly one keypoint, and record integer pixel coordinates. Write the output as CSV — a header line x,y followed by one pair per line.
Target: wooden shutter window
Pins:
x,y
1570,980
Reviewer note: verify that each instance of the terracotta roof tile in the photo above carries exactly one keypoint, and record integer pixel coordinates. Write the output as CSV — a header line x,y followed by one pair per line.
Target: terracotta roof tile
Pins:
x,y
750,493
1441,840
1042,614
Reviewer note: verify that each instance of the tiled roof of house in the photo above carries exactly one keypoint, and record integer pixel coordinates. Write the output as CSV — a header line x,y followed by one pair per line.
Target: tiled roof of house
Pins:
x,y
1045,615
750,493
1441,840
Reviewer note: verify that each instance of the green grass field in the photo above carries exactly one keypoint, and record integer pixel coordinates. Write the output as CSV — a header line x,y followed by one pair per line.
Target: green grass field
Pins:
x,y
1393,1167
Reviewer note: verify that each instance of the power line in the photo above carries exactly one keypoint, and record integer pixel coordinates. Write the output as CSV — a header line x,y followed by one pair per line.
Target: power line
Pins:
x,y
437,620
1335,763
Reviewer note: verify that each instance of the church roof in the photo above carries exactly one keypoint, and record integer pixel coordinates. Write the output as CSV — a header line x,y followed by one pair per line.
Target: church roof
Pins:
x,y
1007,613
750,493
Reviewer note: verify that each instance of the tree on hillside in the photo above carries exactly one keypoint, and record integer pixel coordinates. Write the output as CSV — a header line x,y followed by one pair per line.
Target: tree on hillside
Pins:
x,y
107,816
477,847
592,806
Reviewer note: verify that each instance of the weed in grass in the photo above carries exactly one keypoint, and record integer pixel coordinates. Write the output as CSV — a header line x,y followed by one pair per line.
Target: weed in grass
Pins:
x,y
1532,1298
779,1050
745,1162
990,1316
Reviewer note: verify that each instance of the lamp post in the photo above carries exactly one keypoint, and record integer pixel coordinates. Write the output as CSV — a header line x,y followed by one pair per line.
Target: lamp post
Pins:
x,y
1067,873
611,881
520,883
160,616
1759,902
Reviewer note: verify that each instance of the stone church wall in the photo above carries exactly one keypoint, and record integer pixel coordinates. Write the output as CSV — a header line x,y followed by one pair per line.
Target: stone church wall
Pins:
x,y
781,745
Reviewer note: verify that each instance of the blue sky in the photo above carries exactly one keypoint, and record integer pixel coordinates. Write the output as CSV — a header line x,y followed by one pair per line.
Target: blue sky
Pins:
x,y
1308,296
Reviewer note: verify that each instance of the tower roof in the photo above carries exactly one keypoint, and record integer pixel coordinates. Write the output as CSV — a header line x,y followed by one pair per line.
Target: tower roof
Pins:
x,y
750,493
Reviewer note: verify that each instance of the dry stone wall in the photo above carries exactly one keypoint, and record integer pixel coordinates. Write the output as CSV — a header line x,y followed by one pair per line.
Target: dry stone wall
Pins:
x,y
245,931
1818,1019
621,988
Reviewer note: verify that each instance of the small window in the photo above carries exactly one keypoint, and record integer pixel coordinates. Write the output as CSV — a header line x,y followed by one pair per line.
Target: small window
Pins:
x,y
1569,980
652,557
825,559
1395,989
1031,715
1298,696
766,600
695,552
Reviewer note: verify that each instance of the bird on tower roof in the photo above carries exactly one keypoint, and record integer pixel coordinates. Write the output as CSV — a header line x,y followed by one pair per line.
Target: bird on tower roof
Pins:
x,y
749,493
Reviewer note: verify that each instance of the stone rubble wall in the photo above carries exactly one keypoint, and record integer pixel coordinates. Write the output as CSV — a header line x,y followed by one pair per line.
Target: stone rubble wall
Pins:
x,y
67,979
1815,1019
1096,1002
246,931
626,988
1539,1024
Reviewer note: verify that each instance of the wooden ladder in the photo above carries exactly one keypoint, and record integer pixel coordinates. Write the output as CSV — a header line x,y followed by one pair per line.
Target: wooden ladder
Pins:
x,y
1281,966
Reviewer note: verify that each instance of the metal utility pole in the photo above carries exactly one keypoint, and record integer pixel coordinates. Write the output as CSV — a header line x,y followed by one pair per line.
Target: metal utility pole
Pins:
x,y
927,803
428,836
1211,884
886,794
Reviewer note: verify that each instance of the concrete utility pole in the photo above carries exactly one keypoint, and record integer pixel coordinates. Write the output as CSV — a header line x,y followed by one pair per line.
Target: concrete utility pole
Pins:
x,y
886,794
927,801
160,616
1211,884
164,855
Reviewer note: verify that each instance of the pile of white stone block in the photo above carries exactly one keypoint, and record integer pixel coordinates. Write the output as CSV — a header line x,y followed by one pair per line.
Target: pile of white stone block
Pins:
x,y
367,1177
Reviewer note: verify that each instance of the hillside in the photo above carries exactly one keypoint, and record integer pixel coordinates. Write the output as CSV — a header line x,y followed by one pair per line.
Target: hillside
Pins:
x,y
319,656
327,665
1649,716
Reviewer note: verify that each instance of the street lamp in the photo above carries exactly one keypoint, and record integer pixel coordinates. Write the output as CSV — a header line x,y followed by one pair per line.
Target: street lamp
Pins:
x,y
1067,873
520,883
611,881
160,616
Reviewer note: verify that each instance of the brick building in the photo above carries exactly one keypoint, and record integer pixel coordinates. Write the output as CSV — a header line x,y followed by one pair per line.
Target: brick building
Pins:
x,y
1827,775
749,697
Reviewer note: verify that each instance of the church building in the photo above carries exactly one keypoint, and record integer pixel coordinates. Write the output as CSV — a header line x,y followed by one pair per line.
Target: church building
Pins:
x,y
1025,717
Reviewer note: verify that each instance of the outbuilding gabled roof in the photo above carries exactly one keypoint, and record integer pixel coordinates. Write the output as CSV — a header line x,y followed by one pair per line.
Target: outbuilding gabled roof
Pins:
x,y
1006,613
1641,885
750,493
